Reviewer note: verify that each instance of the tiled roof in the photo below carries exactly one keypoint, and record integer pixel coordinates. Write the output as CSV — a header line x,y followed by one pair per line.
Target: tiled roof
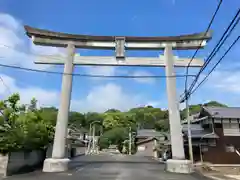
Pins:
x,y
198,132
223,112
149,133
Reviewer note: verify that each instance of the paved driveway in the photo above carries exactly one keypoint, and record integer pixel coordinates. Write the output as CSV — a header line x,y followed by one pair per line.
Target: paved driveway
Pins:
x,y
111,167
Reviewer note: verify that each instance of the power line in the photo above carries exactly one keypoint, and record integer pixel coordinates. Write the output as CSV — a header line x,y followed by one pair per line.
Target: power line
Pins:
x,y
7,87
74,74
209,25
213,53
217,47
87,75
234,43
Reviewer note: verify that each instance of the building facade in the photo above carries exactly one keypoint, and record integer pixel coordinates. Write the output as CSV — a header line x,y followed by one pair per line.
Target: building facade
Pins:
x,y
147,140
215,135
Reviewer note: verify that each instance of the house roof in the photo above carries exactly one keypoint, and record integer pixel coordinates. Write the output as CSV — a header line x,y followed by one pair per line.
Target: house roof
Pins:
x,y
217,112
223,112
145,141
149,133
202,134
198,132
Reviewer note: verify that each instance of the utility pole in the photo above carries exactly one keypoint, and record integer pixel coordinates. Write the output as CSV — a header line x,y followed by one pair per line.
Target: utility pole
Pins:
x,y
189,129
89,139
93,138
130,141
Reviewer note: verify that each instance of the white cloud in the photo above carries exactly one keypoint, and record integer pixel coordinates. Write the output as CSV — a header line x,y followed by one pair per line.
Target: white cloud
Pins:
x,y
16,48
104,97
8,21
226,81
153,103
99,99
143,80
101,70
45,97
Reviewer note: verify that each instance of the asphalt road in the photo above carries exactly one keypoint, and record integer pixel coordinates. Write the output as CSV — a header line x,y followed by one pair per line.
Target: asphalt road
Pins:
x,y
111,167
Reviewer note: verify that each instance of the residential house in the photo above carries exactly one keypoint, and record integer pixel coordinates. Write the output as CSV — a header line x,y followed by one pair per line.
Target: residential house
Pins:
x,y
215,135
147,140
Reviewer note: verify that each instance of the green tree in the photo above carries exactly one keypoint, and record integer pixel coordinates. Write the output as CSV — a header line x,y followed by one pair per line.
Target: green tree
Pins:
x,y
115,136
215,104
49,115
150,117
193,109
20,129
33,105
77,120
93,117
162,125
117,119
112,110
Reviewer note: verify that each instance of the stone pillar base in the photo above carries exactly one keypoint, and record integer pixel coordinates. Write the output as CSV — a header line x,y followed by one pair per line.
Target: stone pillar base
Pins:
x,y
179,166
55,165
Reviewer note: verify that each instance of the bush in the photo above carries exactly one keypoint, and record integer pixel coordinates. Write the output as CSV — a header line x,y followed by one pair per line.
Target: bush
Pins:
x,y
21,129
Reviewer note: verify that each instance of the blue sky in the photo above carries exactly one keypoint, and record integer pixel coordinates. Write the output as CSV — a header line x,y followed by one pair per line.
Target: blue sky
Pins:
x,y
132,18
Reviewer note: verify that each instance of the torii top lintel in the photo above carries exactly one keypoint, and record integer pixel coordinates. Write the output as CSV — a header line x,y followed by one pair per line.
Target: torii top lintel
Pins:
x,y
58,39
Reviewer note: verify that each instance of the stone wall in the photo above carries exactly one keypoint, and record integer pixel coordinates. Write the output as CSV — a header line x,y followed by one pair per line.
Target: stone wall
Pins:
x,y
20,162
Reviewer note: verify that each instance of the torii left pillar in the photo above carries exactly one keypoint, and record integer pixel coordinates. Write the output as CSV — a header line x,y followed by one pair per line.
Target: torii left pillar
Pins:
x,y
59,161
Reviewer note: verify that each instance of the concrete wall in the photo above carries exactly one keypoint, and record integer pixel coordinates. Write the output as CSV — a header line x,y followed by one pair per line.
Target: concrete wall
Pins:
x,y
20,162
69,152
3,165
78,151
146,149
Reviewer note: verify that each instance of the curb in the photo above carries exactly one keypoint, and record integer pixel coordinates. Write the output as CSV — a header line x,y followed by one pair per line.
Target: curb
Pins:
x,y
198,175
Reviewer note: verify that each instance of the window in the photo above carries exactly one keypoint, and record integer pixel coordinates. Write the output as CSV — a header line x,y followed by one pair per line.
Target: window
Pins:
x,y
229,148
231,129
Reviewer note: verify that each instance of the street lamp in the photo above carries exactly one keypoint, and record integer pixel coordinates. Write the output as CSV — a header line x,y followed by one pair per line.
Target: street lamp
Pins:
x,y
92,132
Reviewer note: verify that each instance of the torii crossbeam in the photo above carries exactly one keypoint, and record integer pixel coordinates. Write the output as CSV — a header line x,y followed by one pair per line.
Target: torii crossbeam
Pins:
x,y
113,61
120,44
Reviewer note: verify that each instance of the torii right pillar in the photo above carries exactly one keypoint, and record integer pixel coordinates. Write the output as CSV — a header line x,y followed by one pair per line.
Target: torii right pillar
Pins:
x,y
178,163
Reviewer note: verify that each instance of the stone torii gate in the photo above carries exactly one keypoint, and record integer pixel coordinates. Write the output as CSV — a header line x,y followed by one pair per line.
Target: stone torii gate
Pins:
x,y
120,44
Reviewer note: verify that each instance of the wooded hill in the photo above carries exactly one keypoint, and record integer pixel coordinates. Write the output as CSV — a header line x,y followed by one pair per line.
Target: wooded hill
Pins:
x,y
29,127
